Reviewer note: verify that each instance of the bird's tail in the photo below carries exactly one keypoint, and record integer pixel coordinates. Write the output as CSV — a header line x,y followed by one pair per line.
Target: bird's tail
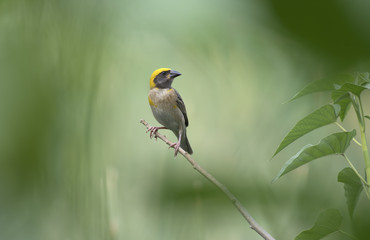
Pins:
x,y
185,143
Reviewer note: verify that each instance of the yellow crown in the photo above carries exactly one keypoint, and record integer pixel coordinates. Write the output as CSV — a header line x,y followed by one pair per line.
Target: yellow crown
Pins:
x,y
154,74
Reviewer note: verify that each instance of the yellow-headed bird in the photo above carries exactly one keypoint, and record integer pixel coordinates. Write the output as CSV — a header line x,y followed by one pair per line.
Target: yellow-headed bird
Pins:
x,y
168,107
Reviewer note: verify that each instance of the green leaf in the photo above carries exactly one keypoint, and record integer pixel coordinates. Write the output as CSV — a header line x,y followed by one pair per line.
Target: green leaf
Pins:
x,y
368,117
319,118
366,85
353,88
343,100
336,143
323,85
338,96
364,77
352,187
356,106
342,97
328,222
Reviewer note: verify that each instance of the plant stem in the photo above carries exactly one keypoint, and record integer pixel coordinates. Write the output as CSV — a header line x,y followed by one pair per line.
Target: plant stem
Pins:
x,y
362,113
344,130
355,170
365,151
253,224
361,120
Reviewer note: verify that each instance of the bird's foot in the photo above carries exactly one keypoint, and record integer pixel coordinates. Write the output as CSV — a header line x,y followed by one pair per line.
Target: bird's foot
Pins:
x,y
153,131
176,146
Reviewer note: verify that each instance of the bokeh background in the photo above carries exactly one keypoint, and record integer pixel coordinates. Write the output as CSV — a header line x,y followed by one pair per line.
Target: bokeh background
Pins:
x,y
75,163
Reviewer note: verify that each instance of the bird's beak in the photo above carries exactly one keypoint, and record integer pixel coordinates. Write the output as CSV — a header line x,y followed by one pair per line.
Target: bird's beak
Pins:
x,y
174,73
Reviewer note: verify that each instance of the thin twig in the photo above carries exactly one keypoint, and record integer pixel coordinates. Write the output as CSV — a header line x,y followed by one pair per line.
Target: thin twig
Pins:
x,y
253,224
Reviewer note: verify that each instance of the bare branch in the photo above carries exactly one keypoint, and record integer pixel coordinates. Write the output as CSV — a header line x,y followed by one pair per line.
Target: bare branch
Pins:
x,y
253,224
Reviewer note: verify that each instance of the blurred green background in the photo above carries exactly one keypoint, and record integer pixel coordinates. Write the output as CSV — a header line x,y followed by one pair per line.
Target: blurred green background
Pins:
x,y
75,163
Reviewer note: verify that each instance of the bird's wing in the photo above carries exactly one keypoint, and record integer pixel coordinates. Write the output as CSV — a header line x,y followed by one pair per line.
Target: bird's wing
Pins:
x,y
180,104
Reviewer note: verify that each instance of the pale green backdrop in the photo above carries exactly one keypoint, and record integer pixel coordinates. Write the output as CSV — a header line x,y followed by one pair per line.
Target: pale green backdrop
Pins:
x,y
75,163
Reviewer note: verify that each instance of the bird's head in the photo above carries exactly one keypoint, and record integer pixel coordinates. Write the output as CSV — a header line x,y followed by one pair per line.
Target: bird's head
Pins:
x,y
163,78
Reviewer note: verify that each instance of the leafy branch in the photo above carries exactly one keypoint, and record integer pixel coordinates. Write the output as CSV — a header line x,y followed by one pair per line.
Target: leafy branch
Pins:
x,y
253,224
345,92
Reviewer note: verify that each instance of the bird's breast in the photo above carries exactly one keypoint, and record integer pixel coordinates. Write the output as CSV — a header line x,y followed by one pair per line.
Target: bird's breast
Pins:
x,y
162,98
164,108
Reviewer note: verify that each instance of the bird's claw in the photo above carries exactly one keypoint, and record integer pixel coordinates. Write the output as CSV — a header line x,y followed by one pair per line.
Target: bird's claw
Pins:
x,y
176,146
152,131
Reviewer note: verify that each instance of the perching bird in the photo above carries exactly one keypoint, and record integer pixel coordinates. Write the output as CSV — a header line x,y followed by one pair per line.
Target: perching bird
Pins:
x,y
168,107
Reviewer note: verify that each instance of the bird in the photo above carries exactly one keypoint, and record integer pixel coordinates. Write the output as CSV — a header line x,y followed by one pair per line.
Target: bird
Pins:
x,y
168,107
